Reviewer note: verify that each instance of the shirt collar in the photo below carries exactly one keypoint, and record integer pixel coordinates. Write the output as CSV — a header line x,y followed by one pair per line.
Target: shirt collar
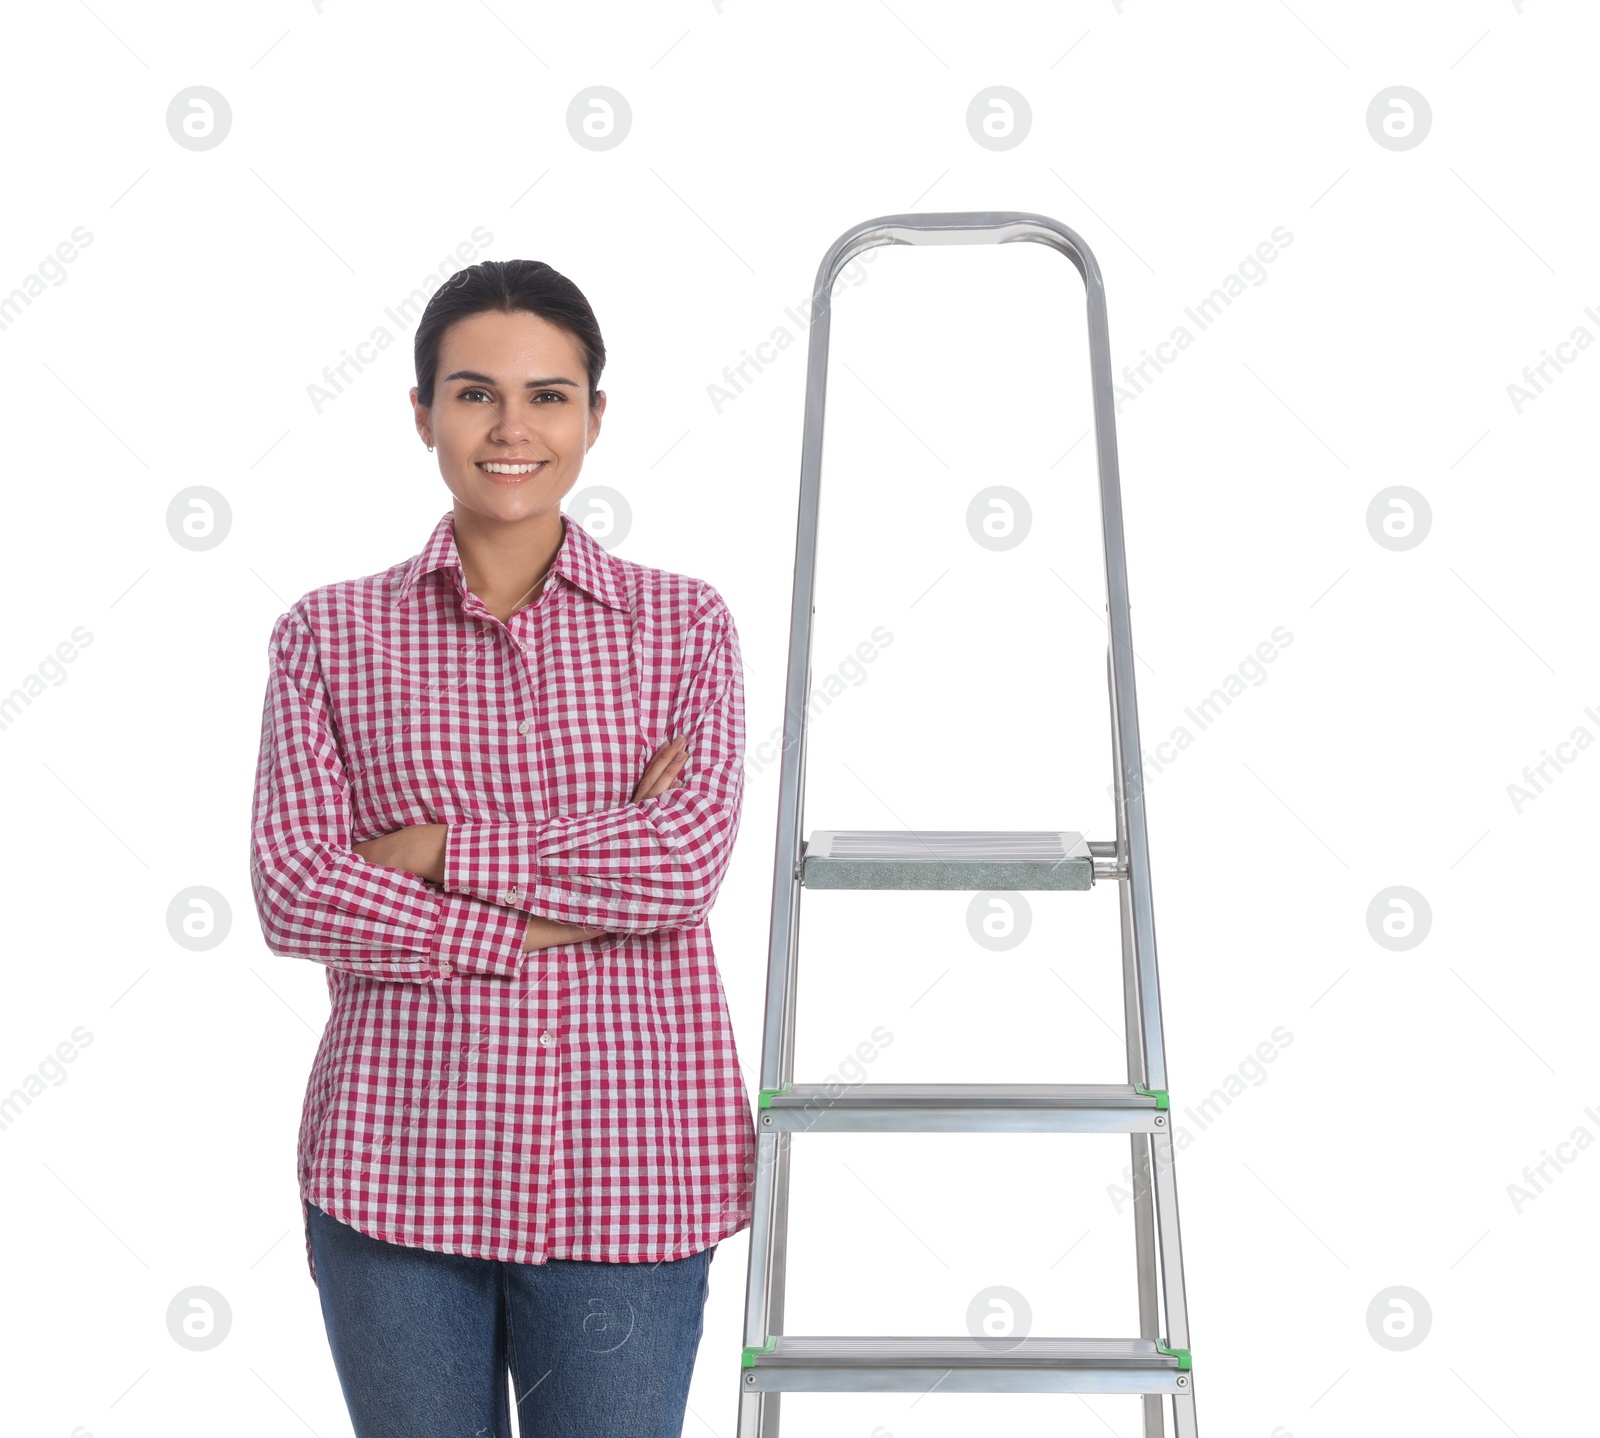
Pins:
x,y
581,560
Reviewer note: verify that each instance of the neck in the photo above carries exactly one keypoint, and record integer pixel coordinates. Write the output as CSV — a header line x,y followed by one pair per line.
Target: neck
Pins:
x,y
503,562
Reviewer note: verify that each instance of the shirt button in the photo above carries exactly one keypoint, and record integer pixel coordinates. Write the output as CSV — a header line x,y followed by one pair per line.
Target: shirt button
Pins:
x,y
545,1039
523,727
510,896
523,647
446,971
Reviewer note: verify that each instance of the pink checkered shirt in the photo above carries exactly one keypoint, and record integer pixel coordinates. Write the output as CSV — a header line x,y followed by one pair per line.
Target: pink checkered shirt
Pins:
x,y
580,1101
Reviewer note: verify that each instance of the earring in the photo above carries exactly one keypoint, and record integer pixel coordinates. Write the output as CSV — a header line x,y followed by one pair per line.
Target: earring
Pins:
x,y
430,449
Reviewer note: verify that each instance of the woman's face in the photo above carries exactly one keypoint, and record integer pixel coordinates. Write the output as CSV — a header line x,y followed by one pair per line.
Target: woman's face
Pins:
x,y
512,389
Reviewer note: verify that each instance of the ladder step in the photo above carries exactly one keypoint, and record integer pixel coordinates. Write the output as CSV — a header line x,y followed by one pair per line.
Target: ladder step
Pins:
x,y
946,859
965,1365
962,1108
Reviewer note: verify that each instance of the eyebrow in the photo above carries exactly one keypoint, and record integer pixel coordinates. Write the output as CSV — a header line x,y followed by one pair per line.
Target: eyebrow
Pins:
x,y
476,378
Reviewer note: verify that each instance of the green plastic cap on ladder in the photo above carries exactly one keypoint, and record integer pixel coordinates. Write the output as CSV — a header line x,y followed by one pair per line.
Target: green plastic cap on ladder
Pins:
x,y
748,1359
1185,1359
765,1096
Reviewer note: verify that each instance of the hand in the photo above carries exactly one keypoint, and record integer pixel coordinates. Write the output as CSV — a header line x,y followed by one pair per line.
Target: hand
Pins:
x,y
543,933
662,773
416,849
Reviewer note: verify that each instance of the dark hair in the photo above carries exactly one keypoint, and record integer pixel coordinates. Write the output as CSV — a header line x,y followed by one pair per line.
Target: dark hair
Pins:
x,y
508,285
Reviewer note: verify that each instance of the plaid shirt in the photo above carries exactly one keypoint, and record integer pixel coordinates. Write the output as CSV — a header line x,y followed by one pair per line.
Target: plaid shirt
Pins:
x,y
578,1101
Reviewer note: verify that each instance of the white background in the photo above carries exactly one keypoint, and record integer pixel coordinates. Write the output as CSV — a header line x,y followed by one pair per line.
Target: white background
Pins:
x,y
181,346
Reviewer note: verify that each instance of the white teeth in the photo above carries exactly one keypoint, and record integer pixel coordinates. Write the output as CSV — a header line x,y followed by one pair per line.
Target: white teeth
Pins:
x,y
511,468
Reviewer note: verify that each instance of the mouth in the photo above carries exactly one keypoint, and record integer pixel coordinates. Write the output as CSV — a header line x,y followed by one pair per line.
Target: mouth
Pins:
x,y
511,472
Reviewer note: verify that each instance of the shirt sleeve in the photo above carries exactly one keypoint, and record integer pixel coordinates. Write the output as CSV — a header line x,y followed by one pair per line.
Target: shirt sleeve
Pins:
x,y
316,898
635,867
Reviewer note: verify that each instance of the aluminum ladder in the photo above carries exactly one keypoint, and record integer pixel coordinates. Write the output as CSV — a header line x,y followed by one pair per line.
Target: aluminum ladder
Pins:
x,y
1157,1364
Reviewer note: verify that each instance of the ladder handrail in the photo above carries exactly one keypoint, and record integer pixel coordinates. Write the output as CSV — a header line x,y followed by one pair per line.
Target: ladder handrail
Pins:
x,y
979,227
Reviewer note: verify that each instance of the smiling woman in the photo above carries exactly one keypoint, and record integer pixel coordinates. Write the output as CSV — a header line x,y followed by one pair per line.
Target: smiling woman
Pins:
x,y
498,788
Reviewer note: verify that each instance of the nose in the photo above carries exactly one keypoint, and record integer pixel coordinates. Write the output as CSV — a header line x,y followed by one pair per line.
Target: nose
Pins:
x,y
509,427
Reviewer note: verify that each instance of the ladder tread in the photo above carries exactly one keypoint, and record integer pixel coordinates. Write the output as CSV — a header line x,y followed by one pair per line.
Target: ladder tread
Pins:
x,y
947,859
880,1350
968,1364
965,1095
963,1108
932,844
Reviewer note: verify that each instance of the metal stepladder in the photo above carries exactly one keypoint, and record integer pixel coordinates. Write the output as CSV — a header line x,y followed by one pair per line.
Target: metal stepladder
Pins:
x,y
775,1362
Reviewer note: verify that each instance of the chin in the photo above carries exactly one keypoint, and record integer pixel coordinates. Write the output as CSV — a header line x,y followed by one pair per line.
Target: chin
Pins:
x,y
508,503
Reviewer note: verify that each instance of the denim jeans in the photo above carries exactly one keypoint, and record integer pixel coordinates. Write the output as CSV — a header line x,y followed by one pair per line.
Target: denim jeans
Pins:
x,y
422,1340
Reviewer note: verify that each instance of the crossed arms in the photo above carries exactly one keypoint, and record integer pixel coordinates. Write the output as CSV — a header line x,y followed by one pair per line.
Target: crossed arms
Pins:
x,y
479,895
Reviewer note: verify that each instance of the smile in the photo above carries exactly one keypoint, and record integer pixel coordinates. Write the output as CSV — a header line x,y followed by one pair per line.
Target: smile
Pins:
x,y
505,473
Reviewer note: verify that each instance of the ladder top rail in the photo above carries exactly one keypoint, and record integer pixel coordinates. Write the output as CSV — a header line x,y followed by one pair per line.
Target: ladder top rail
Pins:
x,y
976,227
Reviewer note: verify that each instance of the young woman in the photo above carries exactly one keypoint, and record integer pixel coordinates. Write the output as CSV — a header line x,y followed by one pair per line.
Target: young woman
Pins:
x,y
498,788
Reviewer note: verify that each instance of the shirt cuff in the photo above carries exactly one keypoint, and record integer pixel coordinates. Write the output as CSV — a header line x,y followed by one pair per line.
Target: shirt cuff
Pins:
x,y
487,860
474,937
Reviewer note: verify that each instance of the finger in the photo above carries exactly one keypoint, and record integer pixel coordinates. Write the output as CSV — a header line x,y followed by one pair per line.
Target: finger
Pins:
x,y
659,761
678,783
641,790
659,788
665,782
649,787
647,783
666,760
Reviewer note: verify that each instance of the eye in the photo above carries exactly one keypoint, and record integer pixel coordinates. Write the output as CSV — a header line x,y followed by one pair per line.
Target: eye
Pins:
x,y
467,392
551,394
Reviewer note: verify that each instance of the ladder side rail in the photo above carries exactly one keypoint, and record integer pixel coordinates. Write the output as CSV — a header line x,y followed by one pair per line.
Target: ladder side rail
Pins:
x,y
765,1294
1129,776
1144,1216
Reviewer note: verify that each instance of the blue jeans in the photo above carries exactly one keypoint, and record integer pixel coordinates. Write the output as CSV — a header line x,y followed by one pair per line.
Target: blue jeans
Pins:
x,y
422,1340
